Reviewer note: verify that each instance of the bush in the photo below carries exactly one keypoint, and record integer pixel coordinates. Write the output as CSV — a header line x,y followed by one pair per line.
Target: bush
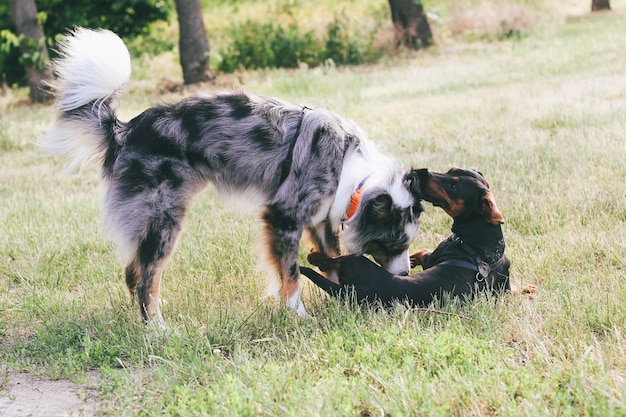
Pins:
x,y
269,45
346,47
10,69
127,18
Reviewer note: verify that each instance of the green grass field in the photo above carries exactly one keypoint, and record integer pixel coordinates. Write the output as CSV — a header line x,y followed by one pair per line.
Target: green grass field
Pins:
x,y
542,116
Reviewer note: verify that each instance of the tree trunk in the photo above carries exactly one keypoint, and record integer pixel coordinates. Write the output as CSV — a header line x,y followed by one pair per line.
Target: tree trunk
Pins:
x,y
194,42
600,5
33,48
410,24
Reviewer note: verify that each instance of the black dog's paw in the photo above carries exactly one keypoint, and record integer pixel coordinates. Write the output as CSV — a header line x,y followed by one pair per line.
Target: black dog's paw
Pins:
x,y
417,258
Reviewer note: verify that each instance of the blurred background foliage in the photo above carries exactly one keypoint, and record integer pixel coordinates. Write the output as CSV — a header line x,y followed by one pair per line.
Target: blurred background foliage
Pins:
x,y
251,34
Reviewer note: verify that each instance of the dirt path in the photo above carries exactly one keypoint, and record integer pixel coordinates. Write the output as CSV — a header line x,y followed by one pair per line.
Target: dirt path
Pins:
x,y
29,395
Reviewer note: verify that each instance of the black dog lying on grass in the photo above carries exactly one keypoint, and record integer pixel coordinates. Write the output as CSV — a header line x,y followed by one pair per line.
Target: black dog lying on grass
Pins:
x,y
470,261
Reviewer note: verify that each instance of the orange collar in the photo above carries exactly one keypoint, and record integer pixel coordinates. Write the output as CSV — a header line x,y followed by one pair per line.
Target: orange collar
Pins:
x,y
355,199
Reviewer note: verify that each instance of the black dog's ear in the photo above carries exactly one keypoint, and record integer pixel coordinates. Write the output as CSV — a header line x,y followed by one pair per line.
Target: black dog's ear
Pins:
x,y
490,209
379,207
482,176
323,262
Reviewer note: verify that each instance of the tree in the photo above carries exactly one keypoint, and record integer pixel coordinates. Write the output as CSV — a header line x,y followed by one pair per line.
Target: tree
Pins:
x,y
600,5
33,48
193,43
410,24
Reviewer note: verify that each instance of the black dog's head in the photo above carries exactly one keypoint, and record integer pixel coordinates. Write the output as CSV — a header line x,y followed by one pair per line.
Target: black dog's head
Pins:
x,y
387,221
461,193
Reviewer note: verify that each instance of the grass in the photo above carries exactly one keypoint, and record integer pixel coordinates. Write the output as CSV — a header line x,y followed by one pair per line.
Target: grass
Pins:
x,y
541,116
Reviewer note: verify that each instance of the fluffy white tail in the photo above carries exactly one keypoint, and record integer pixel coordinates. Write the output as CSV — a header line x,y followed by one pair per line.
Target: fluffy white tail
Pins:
x,y
94,66
93,70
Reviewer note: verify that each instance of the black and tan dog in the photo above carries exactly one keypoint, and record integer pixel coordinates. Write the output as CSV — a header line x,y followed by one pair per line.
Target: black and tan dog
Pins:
x,y
470,261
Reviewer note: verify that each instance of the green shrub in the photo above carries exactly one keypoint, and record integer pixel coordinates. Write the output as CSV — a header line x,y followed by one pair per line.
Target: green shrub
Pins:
x,y
269,45
291,47
346,47
251,46
9,55
158,41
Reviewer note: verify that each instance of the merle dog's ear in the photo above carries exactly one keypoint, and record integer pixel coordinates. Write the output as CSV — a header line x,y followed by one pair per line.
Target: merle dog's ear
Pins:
x,y
490,210
413,181
379,207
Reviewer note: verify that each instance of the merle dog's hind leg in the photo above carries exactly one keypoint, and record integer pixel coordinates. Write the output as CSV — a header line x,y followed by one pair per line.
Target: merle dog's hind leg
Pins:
x,y
133,276
145,269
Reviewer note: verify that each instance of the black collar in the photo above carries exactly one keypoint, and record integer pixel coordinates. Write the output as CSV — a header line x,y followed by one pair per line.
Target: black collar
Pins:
x,y
286,165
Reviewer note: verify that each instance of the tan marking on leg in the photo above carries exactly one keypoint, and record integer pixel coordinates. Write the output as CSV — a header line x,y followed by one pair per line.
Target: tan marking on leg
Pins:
x,y
133,276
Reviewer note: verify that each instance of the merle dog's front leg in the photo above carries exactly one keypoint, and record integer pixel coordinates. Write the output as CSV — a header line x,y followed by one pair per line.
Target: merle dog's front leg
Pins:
x,y
283,232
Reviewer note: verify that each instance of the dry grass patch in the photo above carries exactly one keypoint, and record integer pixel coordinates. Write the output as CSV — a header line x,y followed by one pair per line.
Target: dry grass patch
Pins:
x,y
492,20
